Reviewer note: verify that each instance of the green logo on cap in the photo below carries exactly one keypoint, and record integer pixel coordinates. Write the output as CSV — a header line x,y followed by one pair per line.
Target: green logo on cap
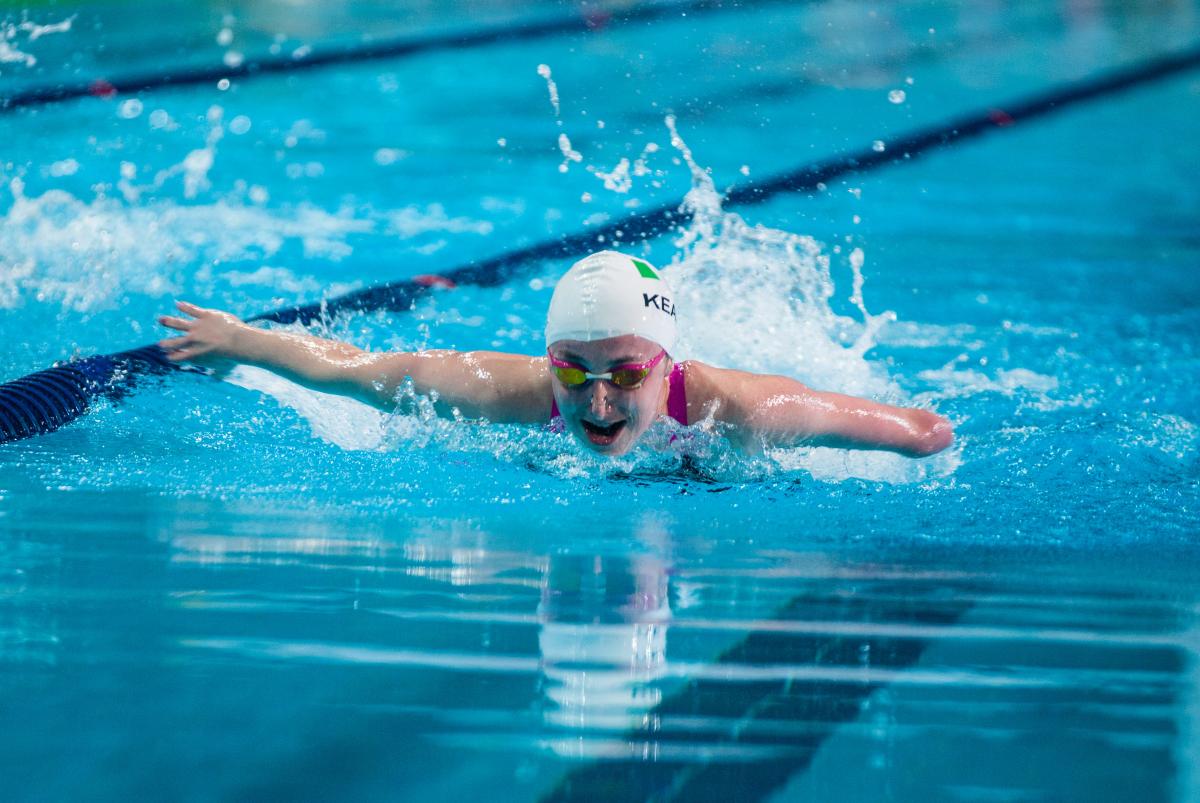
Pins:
x,y
644,269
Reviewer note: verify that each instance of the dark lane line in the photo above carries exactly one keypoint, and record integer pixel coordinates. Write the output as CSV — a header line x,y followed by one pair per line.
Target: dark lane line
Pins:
x,y
597,19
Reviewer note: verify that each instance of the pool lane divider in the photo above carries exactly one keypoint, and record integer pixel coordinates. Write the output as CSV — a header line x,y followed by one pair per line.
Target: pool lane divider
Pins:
x,y
589,19
45,401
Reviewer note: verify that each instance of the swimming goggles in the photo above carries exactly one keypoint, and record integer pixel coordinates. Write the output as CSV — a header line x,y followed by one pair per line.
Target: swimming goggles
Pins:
x,y
627,377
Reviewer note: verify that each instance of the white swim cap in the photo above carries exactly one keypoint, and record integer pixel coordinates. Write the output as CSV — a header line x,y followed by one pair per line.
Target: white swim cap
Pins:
x,y
609,294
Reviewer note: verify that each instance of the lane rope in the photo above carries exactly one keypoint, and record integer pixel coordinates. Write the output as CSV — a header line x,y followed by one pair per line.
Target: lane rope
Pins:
x,y
588,20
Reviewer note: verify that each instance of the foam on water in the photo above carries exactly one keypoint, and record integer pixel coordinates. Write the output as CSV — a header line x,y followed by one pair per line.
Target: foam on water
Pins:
x,y
88,255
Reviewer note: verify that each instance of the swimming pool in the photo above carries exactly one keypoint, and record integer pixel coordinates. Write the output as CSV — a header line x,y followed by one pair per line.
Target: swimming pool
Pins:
x,y
244,591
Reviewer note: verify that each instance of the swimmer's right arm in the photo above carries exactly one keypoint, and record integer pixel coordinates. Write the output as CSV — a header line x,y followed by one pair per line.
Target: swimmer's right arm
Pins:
x,y
504,388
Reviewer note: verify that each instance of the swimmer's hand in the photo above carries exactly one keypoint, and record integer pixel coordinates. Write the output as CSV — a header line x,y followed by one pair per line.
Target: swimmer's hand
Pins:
x,y
210,337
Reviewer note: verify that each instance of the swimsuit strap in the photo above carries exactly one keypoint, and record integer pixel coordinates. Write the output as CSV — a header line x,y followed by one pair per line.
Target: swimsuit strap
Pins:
x,y
676,397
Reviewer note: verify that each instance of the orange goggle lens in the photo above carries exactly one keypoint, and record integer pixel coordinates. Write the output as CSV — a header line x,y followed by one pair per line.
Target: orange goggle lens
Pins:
x,y
622,377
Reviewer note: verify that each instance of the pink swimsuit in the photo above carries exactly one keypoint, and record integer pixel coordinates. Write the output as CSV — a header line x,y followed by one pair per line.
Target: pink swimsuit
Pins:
x,y
676,398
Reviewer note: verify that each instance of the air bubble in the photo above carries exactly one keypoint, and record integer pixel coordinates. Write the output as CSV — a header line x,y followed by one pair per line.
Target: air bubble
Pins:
x,y
130,109
878,146
896,96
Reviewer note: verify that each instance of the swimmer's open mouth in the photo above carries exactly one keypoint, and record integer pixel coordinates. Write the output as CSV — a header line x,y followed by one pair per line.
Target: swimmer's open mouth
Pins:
x,y
602,435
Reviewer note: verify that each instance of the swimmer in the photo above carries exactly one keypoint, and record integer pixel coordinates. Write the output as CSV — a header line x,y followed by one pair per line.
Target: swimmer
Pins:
x,y
607,375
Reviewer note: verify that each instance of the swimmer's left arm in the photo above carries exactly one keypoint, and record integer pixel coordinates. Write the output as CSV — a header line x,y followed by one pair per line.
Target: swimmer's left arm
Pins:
x,y
779,411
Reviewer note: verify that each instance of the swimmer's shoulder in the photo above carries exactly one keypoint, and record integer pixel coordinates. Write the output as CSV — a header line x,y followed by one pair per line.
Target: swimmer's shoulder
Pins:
x,y
522,384
726,394
708,389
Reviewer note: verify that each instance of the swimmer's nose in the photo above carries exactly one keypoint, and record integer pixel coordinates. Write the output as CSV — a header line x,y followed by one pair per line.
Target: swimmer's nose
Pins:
x,y
600,400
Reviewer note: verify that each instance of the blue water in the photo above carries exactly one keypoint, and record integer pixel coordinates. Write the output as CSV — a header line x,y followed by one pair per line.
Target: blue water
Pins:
x,y
244,591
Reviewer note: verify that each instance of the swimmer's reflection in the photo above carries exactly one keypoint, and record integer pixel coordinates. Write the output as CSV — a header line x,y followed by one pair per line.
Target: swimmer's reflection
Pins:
x,y
603,641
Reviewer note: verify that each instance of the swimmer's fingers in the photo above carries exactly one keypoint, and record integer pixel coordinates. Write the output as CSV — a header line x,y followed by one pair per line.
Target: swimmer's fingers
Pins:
x,y
172,322
173,343
191,309
179,355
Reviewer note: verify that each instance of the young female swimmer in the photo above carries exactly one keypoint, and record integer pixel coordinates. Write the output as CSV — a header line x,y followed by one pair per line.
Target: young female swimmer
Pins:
x,y
606,377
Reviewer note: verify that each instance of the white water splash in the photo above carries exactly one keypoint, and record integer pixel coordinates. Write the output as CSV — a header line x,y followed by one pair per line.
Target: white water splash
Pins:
x,y
412,221
544,71
88,256
758,299
569,153
341,421
618,179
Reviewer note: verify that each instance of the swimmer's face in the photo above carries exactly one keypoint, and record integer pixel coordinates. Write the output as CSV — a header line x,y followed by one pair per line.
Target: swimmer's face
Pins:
x,y
604,417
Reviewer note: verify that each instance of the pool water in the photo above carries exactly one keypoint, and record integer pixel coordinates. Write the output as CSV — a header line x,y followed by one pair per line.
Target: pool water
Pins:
x,y
242,590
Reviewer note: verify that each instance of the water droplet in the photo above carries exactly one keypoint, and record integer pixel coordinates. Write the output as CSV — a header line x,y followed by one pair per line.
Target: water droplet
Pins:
x,y
502,142
130,109
239,125
878,146
225,37
896,96
233,59
223,84
744,170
